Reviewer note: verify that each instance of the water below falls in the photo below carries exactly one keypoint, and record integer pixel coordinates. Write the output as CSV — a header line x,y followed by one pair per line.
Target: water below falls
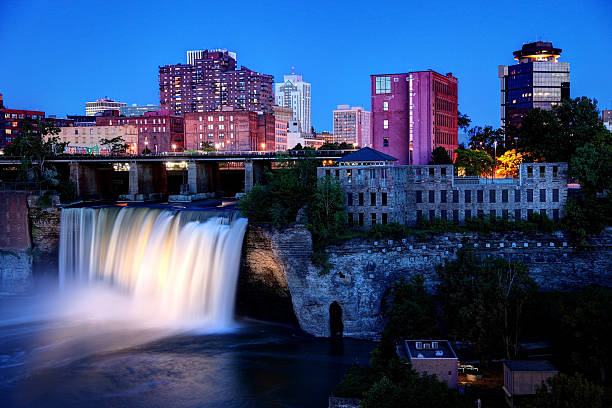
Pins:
x,y
175,265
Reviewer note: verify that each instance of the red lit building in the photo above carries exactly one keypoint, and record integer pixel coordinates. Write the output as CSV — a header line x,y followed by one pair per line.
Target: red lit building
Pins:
x,y
230,130
158,131
11,122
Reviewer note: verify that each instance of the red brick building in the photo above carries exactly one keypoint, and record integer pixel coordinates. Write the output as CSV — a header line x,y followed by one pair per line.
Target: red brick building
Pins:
x,y
159,131
230,130
11,122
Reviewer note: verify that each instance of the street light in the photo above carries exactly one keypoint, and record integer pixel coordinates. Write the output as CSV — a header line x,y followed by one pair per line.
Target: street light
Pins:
x,y
173,147
263,146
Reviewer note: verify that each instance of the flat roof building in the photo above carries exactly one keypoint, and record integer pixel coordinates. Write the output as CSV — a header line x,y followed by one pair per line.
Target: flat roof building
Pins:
x,y
352,125
524,377
101,105
431,357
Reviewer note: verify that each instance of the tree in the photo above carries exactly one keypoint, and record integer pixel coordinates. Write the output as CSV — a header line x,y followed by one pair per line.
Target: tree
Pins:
x,y
474,162
488,139
483,301
207,146
563,391
509,163
336,146
37,142
326,210
591,165
463,121
116,144
298,147
440,156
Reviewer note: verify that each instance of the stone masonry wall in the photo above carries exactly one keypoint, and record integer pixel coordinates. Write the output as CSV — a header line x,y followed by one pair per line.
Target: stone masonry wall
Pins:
x,y
364,270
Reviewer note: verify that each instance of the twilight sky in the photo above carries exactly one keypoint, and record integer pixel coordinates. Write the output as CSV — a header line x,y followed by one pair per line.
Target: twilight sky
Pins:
x,y
56,55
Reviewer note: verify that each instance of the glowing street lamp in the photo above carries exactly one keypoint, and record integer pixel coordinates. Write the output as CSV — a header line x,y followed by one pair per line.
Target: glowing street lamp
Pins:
x,y
263,146
173,148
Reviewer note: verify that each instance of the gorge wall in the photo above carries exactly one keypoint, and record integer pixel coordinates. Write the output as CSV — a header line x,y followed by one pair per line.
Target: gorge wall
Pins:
x,y
277,265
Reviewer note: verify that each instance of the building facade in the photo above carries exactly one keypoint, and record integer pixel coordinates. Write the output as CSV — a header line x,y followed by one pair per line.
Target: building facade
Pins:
x,y
381,194
413,113
212,81
158,131
12,121
88,139
606,118
294,93
280,135
137,110
539,80
352,125
431,357
102,105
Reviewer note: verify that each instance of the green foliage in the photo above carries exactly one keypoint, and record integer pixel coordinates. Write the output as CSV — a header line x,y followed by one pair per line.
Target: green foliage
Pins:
x,y
440,156
36,143
146,151
563,391
356,382
116,144
337,146
392,230
554,136
327,210
474,162
592,166
487,139
463,121
482,301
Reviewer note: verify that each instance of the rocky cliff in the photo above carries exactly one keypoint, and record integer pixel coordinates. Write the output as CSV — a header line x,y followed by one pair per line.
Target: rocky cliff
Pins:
x,y
277,265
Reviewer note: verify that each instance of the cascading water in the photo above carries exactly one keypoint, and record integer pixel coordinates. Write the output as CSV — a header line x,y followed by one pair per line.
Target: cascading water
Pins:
x,y
175,265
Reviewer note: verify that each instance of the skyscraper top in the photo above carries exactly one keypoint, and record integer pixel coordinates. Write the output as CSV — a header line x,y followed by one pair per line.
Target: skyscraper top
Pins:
x,y
199,54
537,51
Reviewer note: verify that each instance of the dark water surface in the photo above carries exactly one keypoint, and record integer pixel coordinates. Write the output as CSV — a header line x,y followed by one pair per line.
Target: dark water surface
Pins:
x,y
257,365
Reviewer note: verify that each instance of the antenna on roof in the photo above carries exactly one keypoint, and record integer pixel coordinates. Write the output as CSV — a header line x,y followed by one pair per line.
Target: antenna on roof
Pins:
x,y
292,70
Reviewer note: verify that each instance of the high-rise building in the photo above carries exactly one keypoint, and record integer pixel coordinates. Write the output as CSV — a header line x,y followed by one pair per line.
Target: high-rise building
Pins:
x,y
606,118
212,81
539,80
137,110
294,93
102,105
413,113
352,125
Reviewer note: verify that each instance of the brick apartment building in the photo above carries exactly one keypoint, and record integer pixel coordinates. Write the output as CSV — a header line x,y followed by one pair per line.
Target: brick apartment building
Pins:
x,y
158,131
413,113
11,121
211,80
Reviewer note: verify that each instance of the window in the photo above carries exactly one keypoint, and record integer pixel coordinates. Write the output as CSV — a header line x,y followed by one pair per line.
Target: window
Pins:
x,y
211,127
455,196
221,127
443,214
542,193
200,118
210,118
468,214
492,213
479,196
456,215
349,199
432,196
468,196
419,215
350,219
555,171
556,215
349,179
530,172
385,124
373,218
384,218
383,85
530,195
372,198
505,215
517,196
361,219
442,196
384,198
492,196
91,131
542,172
386,142
419,196
517,215
76,131
543,211
443,172
360,198
481,214
529,214
504,196
432,215
385,105
555,195
220,118
359,176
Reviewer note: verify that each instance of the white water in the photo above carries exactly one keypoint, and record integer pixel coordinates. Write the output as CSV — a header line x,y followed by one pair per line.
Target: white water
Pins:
x,y
173,266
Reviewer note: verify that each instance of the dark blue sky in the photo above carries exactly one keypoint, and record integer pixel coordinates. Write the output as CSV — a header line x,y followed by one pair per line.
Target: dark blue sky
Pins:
x,y
56,55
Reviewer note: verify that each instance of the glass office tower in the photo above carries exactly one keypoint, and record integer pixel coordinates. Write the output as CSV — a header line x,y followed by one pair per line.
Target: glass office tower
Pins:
x,y
539,80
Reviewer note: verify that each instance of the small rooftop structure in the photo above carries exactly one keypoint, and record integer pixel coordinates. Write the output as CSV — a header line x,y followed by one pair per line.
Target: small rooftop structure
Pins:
x,y
366,156
522,377
433,357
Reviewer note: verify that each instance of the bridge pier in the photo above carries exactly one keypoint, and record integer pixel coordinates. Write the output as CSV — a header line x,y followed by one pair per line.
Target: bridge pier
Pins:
x,y
92,181
254,173
202,177
147,181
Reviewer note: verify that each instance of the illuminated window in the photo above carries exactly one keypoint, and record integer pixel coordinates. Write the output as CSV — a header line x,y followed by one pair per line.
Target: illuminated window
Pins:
x,y
383,85
385,124
386,105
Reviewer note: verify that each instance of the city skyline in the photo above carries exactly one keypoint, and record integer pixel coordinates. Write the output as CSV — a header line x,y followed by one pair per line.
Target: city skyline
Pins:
x,y
338,74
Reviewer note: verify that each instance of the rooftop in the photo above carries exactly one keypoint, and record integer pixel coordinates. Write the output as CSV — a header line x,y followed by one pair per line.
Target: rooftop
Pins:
x,y
436,349
539,51
526,365
366,154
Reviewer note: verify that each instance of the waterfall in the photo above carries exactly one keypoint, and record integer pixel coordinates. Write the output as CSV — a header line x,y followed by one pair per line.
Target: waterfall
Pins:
x,y
185,263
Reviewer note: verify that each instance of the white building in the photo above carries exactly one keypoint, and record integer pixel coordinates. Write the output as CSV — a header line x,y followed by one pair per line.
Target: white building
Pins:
x,y
294,93
352,125
101,105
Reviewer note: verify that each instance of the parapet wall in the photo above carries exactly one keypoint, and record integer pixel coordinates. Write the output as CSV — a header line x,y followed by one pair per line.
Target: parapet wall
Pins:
x,y
365,270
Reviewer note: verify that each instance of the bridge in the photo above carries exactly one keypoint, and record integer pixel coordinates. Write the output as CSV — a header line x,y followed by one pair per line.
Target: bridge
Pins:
x,y
94,175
